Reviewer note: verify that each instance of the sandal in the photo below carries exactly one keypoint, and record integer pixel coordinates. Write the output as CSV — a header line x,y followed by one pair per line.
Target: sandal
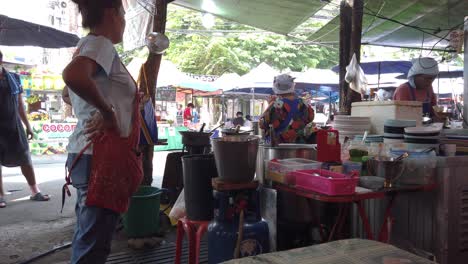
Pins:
x,y
2,202
39,197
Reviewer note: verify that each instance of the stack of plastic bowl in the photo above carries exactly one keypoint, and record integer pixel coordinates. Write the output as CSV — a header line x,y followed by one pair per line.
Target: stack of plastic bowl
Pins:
x,y
394,130
351,126
423,137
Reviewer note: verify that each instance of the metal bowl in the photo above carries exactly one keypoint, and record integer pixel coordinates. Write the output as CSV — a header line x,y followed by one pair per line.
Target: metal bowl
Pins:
x,y
386,168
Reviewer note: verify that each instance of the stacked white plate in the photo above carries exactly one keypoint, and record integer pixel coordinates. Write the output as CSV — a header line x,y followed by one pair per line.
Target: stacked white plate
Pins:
x,y
394,130
351,126
423,137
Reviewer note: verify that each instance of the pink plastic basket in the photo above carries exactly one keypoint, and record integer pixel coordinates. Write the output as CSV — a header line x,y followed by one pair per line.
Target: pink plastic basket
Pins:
x,y
326,182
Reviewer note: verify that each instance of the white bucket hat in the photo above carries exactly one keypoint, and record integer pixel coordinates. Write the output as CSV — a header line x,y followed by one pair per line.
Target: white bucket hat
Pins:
x,y
427,66
283,84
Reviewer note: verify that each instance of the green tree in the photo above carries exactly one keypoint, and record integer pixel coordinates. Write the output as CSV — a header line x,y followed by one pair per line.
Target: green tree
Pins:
x,y
197,50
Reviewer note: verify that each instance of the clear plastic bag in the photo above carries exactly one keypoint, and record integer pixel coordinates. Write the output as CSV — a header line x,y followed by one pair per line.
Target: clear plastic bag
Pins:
x,y
355,76
178,210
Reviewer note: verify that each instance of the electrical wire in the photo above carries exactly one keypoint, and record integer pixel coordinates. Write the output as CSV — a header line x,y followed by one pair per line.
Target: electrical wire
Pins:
x,y
448,33
375,18
400,23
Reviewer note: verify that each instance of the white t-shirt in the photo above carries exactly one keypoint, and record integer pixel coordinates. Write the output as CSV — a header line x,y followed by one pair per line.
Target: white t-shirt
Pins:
x,y
112,81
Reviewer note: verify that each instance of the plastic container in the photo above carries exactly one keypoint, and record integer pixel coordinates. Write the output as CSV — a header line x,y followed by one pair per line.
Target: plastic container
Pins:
x,y
326,182
379,112
328,146
352,168
142,217
357,150
279,170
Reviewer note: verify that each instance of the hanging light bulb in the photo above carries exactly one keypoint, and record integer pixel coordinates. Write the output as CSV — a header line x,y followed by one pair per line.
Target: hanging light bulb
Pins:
x,y
208,20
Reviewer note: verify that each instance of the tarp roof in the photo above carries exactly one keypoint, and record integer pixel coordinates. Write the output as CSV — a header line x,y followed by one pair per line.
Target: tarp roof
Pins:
x,y
428,15
16,32
434,17
280,16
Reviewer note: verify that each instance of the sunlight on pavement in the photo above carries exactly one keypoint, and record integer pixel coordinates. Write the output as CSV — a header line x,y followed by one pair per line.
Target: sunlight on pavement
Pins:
x,y
44,173
21,199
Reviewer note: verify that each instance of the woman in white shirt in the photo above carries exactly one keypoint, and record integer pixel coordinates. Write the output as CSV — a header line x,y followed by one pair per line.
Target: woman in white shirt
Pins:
x,y
102,94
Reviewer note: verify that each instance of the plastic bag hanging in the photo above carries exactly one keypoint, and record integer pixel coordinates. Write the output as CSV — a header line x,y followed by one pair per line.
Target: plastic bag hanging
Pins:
x,y
355,76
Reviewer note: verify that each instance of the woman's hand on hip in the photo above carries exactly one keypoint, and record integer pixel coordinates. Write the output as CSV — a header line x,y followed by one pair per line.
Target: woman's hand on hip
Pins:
x,y
101,122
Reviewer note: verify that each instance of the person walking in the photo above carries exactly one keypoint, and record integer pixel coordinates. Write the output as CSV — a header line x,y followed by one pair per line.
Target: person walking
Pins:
x,y
102,94
14,147
188,115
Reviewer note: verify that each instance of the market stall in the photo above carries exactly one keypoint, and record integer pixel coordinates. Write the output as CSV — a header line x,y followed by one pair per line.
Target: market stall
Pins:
x,y
243,217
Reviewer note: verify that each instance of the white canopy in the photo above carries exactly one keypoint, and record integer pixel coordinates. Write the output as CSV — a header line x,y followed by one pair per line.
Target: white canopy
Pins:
x,y
168,75
227,82
260,77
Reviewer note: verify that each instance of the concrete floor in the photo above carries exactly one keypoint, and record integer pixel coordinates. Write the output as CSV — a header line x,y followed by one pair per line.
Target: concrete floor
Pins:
x,y
28,228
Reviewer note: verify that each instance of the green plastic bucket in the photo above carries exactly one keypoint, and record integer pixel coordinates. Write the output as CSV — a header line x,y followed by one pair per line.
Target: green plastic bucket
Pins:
x,y
142,217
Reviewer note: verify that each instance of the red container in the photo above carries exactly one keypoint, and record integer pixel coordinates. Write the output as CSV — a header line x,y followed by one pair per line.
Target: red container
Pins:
x,y
328,146
326,182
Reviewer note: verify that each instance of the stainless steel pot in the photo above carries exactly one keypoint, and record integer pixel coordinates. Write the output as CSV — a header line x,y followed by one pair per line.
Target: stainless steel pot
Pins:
x,y
290,207
283,151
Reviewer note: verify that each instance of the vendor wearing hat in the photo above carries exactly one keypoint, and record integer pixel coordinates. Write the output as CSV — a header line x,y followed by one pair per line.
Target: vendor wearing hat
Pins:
x,y
419,86
287,113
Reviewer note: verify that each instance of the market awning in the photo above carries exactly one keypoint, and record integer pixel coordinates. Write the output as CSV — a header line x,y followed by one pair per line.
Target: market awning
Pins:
x,y
397,23
16,32
382,67
403,23
278,16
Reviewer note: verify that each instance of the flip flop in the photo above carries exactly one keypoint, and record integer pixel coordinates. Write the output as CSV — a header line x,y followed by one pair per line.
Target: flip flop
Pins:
x,y
2,202
39,197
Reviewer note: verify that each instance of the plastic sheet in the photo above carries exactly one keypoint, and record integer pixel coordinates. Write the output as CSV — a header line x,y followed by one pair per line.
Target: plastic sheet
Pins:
x,y
178,210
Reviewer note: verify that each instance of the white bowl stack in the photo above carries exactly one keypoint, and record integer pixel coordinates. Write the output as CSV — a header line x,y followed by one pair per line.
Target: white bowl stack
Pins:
x,y
351,126
423,137
394,130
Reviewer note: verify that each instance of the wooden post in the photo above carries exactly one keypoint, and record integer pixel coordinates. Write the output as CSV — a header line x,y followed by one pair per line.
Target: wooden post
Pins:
x,y
350,43
151,66
345,47
357,14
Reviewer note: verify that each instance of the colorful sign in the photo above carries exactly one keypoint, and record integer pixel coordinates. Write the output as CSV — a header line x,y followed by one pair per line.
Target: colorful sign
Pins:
x,y
50,138
58,130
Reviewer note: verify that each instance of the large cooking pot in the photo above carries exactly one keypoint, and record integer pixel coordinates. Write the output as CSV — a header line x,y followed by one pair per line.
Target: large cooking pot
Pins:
x,y
195,138
283,151
235,159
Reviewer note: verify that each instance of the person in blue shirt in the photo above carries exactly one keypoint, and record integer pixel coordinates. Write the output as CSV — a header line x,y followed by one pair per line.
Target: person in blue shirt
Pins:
x,y
196,116
14,147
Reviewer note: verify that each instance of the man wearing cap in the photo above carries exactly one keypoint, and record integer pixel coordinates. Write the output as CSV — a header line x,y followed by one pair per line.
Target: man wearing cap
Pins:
x,y
419,86
286,113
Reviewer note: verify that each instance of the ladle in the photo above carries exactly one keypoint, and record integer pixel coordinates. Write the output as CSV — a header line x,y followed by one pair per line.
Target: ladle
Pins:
x,y
402,156
202,127
212,130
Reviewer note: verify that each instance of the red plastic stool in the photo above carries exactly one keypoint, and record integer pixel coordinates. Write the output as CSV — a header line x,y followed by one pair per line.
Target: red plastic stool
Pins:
x,y
195,231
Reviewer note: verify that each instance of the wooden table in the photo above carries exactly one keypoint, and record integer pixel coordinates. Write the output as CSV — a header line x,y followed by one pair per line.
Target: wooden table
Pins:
x,y
358,199
348,251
